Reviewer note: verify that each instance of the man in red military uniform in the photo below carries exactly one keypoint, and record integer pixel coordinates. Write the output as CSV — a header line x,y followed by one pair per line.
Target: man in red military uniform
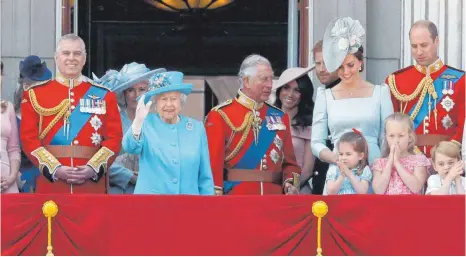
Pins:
x,y
250,145
71,127
431,92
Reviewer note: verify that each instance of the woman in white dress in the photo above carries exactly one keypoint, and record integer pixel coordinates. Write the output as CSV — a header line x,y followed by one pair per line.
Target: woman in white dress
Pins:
x,y
354,102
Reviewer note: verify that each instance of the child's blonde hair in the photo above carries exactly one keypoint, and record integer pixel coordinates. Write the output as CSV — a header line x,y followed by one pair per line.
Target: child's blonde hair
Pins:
x,y
406,120
359,143
446,148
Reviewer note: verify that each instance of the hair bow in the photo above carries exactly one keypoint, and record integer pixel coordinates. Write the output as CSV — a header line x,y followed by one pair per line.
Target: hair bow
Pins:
x,y
357,131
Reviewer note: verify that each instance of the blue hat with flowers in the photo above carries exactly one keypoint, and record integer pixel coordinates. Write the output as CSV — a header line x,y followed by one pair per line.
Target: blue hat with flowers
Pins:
x,y
129,75
33,69
165,82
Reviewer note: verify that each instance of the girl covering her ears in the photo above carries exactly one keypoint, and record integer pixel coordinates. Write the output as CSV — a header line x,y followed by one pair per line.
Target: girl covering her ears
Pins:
x,y
400,170
353,175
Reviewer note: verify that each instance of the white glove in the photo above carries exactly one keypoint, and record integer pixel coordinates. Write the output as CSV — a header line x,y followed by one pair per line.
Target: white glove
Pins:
x,y
141,113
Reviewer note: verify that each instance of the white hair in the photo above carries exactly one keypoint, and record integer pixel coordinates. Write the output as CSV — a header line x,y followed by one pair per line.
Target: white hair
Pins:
x,y
183,98
70,37
249,66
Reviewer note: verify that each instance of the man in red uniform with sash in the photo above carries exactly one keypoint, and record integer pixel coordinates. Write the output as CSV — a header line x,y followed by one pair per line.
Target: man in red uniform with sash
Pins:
x,y
431,92
250,145
71,127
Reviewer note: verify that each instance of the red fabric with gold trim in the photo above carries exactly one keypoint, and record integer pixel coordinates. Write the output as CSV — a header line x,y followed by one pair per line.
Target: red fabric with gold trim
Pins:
x,y
50,95
408,79
219,133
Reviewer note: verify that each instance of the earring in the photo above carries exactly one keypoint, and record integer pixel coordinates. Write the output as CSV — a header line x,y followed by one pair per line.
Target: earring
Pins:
x,y
360,68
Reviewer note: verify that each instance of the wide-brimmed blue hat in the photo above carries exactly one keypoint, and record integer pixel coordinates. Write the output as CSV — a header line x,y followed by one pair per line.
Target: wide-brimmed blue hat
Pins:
x,y
165,82
129,75
32,68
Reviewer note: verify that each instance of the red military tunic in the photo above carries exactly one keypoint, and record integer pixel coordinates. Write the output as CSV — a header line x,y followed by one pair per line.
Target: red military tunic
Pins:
x,y
100,135
447,99
228,148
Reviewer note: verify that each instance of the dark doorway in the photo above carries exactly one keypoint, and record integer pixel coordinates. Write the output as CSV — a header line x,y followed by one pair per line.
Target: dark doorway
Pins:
x,y
122,31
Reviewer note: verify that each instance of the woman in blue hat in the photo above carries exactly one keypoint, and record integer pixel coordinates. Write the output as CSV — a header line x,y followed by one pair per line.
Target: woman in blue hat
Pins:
x,y
173,151
131,82
32,71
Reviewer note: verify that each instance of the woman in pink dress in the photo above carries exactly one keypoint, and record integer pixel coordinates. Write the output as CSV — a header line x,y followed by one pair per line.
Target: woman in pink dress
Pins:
x,y
400,171
10,151
293,94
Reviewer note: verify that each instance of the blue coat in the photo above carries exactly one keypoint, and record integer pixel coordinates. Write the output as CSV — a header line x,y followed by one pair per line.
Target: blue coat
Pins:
x,y
120,175
173,158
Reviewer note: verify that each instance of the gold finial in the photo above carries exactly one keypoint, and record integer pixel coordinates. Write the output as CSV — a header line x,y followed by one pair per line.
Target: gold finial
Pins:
x,y
319,209
50,210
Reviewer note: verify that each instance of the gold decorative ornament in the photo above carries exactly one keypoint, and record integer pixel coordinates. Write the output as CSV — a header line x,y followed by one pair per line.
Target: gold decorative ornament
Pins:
x,y
424,87
50,210
46,159
100,159
245,127
60,110
319,209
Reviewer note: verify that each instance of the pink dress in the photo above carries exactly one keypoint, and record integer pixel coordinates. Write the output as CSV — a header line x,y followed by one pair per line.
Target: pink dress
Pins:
x,y
299,138
10,149
396,186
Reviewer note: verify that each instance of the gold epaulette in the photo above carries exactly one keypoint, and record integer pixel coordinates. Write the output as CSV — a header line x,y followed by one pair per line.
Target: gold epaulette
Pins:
x,y
38,83
226,103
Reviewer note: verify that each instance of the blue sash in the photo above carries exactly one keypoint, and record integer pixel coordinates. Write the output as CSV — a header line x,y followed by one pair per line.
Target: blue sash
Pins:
x,y
77,119
254,154
448,75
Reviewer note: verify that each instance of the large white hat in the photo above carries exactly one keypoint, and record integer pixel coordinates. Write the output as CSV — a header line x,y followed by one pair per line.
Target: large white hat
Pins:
x,y
286,77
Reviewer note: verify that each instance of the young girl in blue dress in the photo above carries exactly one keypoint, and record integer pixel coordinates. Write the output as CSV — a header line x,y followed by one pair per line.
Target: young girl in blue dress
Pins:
x,y
352,175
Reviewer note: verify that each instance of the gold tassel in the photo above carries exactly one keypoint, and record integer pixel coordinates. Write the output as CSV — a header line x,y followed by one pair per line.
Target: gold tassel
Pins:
x,y
50,210
319,209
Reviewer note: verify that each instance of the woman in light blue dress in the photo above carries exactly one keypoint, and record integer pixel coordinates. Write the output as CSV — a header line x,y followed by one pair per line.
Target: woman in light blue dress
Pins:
x,y
131,82
173,151
354,102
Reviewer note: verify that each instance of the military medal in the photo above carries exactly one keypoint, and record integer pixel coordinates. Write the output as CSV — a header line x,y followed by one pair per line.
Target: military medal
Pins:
x,y
445,91
274,156
278,142
451,91
95,122
81,105
269,123
281,125
447,122
104,107
88,106
96,138
447,103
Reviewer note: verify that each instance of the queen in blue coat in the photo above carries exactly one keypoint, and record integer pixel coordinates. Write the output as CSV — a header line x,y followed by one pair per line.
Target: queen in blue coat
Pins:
x,y
173,151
